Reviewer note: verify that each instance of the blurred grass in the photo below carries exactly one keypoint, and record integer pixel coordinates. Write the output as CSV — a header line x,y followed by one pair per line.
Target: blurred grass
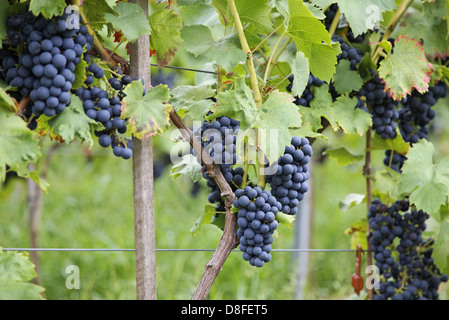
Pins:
x,y
89,205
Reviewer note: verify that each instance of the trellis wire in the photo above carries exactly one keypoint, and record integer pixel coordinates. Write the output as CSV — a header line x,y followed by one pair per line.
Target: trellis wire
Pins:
x,y
168,250
185,69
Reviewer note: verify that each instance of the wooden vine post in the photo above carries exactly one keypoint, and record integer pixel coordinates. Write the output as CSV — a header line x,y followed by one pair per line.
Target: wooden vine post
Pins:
x,y
143,180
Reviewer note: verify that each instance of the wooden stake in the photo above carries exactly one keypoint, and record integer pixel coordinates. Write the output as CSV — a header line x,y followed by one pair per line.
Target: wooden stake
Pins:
x,y
143,180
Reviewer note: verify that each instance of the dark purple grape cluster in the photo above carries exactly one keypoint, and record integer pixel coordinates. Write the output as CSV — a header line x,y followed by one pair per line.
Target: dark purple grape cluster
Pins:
x,y
394,160
416,112
348,52
41,58
307,96
257,211
330,15
289,182
406,266
218,139
353,55
383,108
105,106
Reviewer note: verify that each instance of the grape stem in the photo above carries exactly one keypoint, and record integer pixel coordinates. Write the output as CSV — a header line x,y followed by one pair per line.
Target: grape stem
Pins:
x,y
267,37
367,171
270,60
246,166
22,105
335,22
225,20
403,7
104,55
247,50
252,74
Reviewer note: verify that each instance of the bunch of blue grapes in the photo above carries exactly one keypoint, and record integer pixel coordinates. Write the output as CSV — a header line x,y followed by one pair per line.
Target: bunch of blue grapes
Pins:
x,y
163,78
218,139
353,55
307,96
394,160
104,106
414,116
383,108
348,52
416,112
256,222
289,181
41,59
406,266
330,15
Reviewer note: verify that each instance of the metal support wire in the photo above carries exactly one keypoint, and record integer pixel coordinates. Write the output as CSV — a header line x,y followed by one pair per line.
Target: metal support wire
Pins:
x,y
186,69
164,250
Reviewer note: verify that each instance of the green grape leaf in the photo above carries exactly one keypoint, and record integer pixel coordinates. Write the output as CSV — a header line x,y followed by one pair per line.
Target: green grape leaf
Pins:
x,y
226,55
441,249
80,74
72,123
16,270
386,184
307,131
205,219
42,183
316,11
147,114
18,144
320,107
351,200
274,119
47,8
361,16
285,219
15,266
191,2
431,25
165,35
312,38
352,120
238,104
254,12
130,20
405,69
20,291
357,231
192,99
95,11
187,166
343,156
397,144
7,101
197,39
345,79
300,70
426,181
199,14
224,51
